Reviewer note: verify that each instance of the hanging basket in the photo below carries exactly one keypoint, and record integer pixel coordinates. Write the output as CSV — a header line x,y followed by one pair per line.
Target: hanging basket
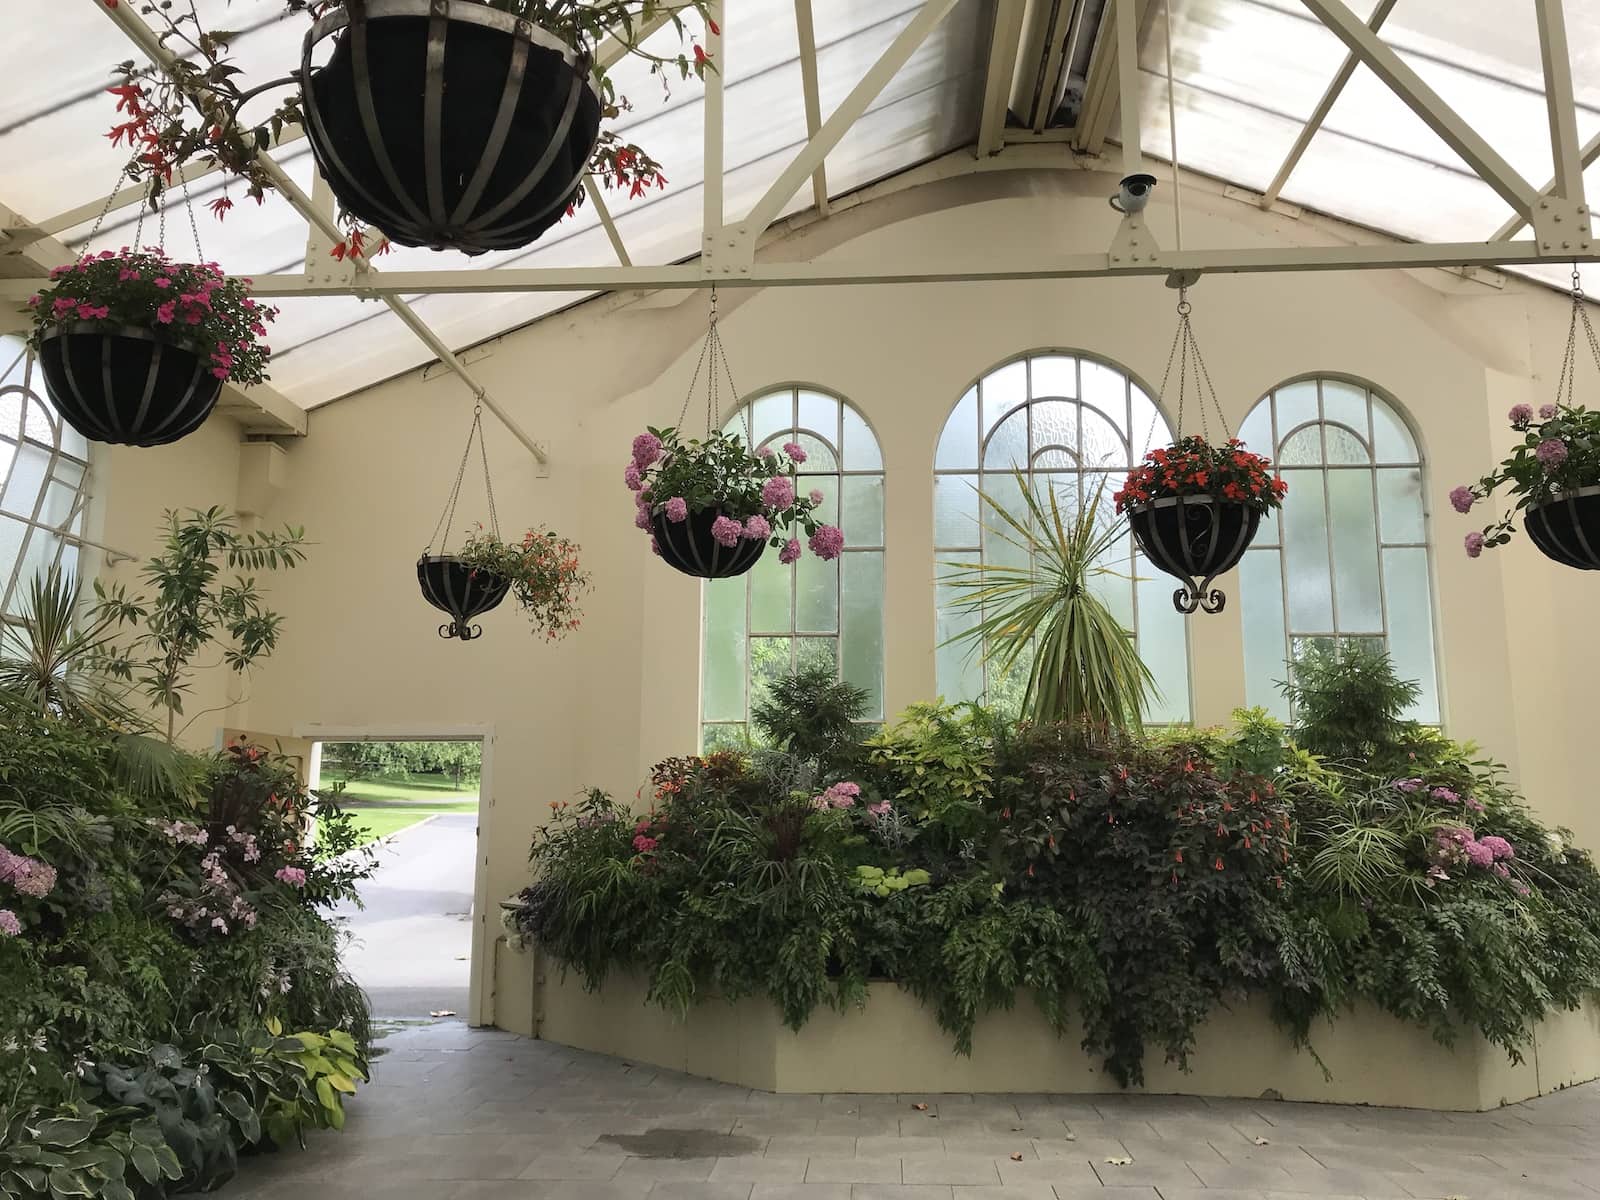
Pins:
x,y
453,586
449,124
1567,529
1194,538
126,385
688,546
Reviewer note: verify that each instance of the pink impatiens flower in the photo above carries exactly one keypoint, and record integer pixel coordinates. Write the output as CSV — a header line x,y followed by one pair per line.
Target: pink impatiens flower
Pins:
x,y
646,449
1474,544
827,542
677,509
644,843
790,551
758,528
726,531
1461,498
795,451
778,492
293,876
88,312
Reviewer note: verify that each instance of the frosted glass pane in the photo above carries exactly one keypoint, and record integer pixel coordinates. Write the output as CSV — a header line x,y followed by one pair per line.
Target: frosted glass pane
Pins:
x,y
860,448
816,595
861,636
57,505
1345,404
1055,434
1114,587
820,414
1344,447
722,737
770,659
69,562
1107,390
1405,574
1302,449
1392,441
1305,532
1055,375
820,458
955,510
8,451
1400,504
1261,614
863,510
1001,542
771,587
1267,532
1007,448
27,478
722,695
40,428
816,652
958,666
958,445
1163,644
1103,446
1003,391
68,472
37,555
1150,427
1297,405
73,442
1355,552
770,415
1256,432
11,535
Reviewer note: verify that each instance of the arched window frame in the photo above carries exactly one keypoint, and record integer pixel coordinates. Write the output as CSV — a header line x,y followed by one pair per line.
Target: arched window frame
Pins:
x,y
1140,426
1357,414
44,479
732,621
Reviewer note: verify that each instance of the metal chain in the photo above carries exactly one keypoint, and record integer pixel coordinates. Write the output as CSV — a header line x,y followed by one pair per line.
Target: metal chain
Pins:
x,y
194,228
714,361
1184,347
447,518
111,197
1566,385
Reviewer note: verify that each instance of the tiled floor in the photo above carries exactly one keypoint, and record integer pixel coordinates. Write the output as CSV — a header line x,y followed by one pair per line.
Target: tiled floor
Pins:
x,y
458,1114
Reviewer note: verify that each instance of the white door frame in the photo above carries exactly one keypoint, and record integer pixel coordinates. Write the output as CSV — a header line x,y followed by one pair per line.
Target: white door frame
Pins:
x,y
481,977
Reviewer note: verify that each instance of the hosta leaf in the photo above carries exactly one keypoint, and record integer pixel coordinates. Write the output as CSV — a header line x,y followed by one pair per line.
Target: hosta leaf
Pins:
x,y
146,1163
69,1183
64,1132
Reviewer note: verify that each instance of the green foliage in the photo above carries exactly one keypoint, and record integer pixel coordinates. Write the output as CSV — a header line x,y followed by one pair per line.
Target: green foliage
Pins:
x,y
1084,664
876,881
542,569
47,659
937,764
460,760
812,713
191,607
1349,703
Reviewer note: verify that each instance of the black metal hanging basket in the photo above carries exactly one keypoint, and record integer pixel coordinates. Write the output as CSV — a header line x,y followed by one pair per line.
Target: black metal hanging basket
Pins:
x,y
461,590
1194,539
126,385
1567,529
688,546
449,124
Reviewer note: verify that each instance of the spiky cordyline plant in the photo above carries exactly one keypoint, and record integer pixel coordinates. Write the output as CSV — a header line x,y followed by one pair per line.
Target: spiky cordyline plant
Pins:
x,y
1085,666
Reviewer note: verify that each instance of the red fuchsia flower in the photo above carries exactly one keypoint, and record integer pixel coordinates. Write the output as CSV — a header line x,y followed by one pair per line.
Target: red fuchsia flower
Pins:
x,y
726,531
790,552
795,451
1462,499
827,542
677,510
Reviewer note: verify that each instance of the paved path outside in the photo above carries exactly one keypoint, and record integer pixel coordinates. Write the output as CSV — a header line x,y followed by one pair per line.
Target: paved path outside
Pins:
x,y
459,1114
413,940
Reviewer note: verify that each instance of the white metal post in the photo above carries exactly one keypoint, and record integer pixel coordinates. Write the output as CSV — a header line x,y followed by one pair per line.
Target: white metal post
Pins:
x,y
1560,101
1128,86
1589,156
1004,46
805,31
714,84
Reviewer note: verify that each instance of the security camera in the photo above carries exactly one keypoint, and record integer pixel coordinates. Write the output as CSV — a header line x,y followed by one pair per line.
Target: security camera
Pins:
x,y
1133,193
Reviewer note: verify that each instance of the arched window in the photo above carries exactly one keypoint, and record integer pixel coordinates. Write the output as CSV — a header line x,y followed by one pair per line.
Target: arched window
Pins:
x,y
779,618
43,468
1347,557
1075,424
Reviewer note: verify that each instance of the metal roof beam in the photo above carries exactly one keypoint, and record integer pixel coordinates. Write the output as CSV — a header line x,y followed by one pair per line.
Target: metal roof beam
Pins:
x,y
1103,86
1005,44
1426,103
805,30
1562,104
1324,107
1511,228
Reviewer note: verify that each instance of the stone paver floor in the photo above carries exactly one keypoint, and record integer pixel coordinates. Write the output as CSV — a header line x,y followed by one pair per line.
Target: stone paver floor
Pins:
x,y
459,1114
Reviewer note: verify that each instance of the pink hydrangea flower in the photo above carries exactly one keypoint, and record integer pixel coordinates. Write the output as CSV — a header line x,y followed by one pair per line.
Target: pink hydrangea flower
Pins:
x,y
646,449
1547,412
1474,544
1552,452
293,876
1462,499
827,542
1446,795
765,452
778,492
1478,854
1519,416
677,510
655,546
726,531
9,925
842,795
816,496
633,477
790,551
1498,846
795,451
758,528
644,843
880,809
641,518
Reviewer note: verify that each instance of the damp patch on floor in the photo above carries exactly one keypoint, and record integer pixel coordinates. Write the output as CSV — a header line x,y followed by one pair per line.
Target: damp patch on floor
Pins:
x,y
682,1143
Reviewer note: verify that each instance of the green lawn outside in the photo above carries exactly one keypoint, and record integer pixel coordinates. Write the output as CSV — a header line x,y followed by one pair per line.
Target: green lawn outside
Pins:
x,y
418,788
381,820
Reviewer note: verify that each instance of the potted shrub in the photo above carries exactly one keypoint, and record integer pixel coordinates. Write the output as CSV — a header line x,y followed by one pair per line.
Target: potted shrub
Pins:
x,y
712,507
1553,479
1195,509
450,124
541,570
135,348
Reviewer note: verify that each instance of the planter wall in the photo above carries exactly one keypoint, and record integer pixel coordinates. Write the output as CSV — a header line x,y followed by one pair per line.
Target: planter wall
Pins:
x,y
449,125
894,1045
127,386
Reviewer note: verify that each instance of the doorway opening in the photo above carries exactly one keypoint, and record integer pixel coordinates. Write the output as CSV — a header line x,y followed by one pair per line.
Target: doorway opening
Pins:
x,y
420,799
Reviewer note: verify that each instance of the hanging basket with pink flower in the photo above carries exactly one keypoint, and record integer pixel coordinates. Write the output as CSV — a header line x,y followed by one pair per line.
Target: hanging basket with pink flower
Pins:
x,y
1195,506
712,506
134,347
1553,474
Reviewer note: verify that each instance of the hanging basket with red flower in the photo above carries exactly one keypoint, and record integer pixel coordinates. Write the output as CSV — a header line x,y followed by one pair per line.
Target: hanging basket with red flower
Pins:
x,y
711,506
1194,507
134,347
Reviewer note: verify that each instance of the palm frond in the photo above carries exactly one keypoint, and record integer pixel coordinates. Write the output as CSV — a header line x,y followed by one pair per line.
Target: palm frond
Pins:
x,y
1084,665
